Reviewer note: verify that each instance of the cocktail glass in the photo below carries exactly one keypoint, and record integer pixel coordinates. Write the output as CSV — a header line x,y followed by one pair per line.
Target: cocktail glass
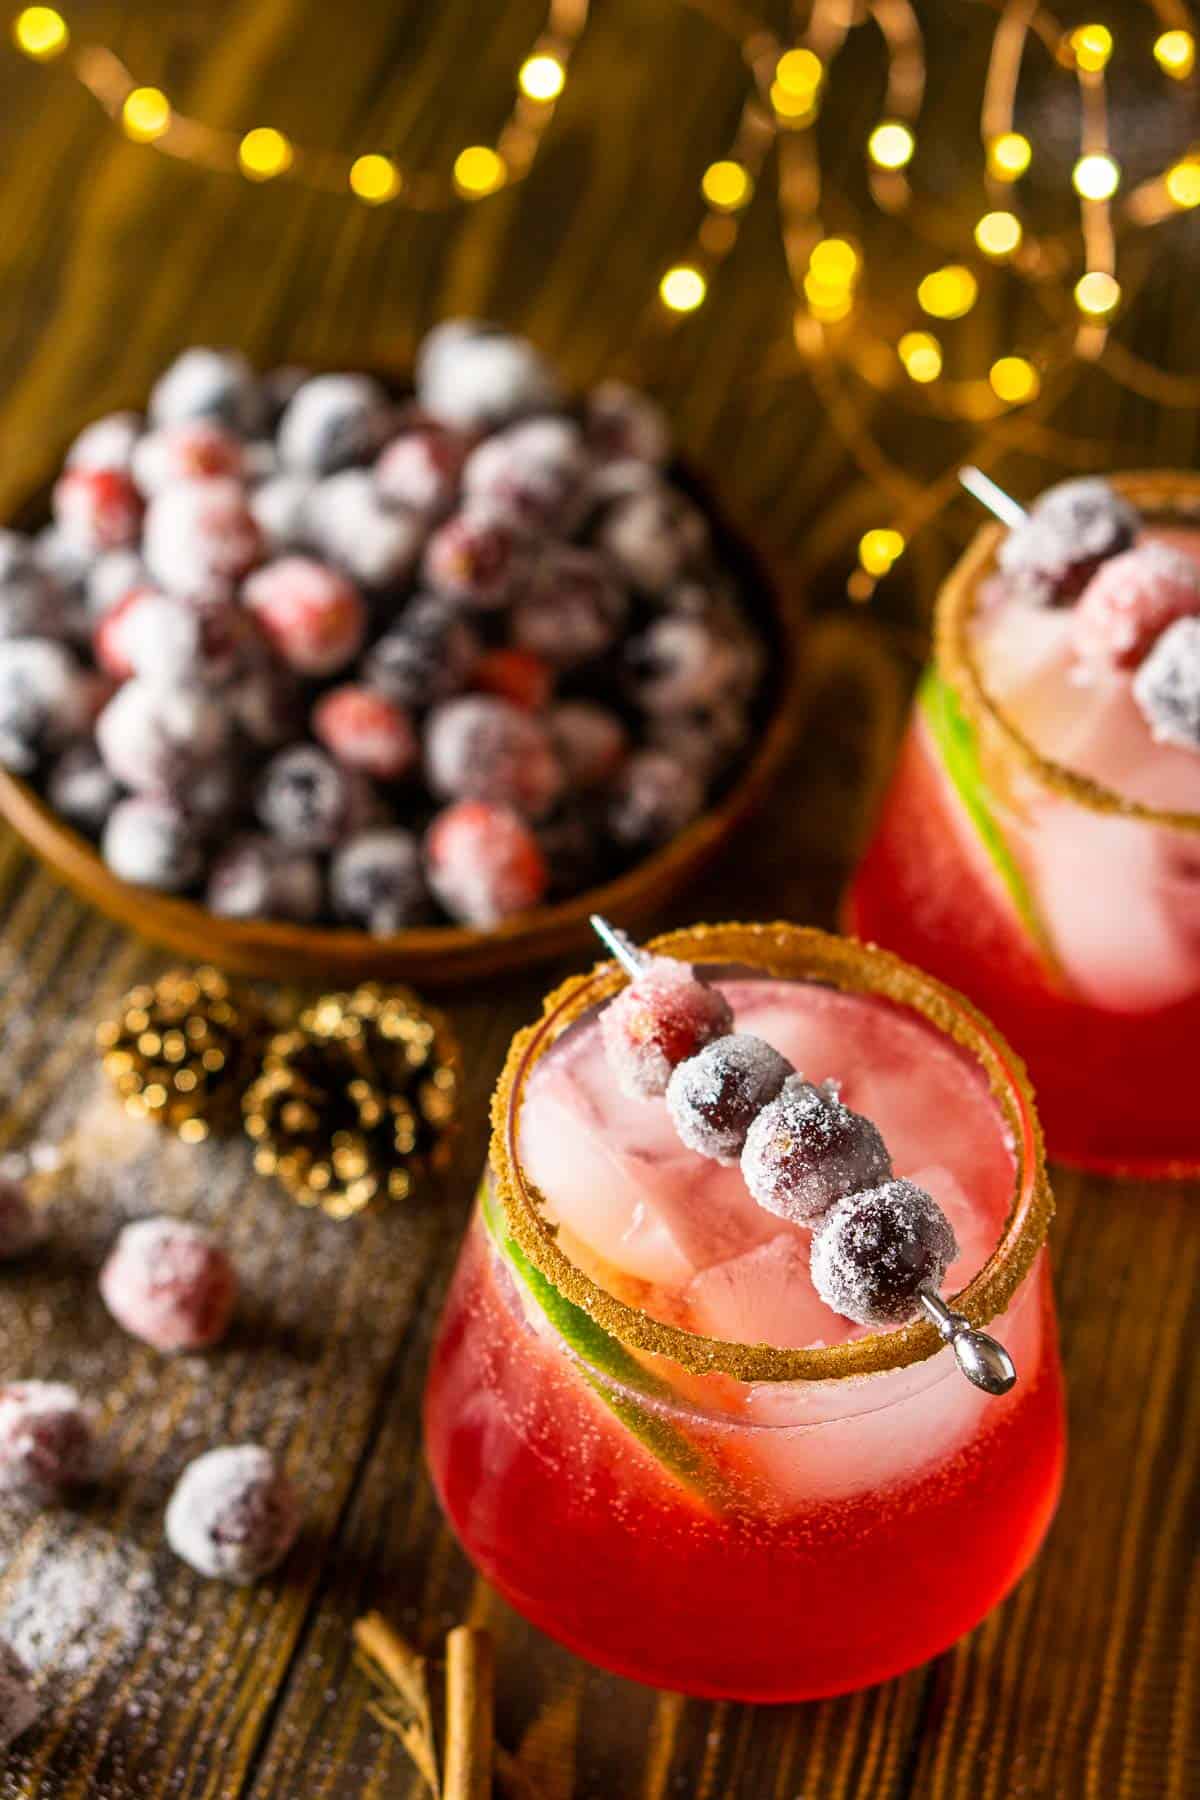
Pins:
x,y
760,1521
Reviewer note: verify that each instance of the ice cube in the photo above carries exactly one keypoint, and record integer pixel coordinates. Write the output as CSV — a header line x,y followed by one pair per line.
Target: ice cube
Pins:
x,y
764,1296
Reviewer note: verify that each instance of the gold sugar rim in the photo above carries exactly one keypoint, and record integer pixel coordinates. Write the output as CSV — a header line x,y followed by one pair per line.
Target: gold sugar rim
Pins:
x,y
1152,491
794,952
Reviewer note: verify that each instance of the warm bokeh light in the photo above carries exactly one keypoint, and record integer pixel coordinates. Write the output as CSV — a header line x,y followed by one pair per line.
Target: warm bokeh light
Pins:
x,y
1092,45
40,32
1182,182
683,288
1175,53
948,293
833,261
264,153
828,301
1097,294
541,77
879,549
998,233
799,72
478,170
1014,379
793,108
1009,155
726,185
891,145
1096,177
375,179
146,114
921,355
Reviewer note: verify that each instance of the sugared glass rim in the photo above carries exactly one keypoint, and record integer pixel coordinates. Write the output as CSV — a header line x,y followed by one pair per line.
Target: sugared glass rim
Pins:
x,y
1156,492
791,952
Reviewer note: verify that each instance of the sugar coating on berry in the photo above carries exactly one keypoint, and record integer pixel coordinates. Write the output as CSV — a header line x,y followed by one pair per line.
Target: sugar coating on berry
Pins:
x,y
281,507
191,450
46,699
653,798
519,676
167,638
19,1705
807,1149
426,656
667,1014
377,881
200,538
113,575
155,738
705,739
256,877
715,1096
591,742
82,789
874,1250
420,469
484,864
309,801
377,544
312,616
46,1439
1067,534
234,1514
31,603
535,470
97,509
678,663
482,748
22,1226
209,384
1130,601
1167,686
655,535
477,556
572,609
365,730
106,443
475,377
622,423
331,421
153,843
170,1284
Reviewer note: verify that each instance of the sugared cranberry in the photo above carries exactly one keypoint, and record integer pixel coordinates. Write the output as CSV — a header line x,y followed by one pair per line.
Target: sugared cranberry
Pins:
x,y
1167,686
22,1227
591,742
427,655
332,421
484,863
678,663
82,789
46,1442
377,881
168,638
192,450
1068,533
151,842
200,538
310,802
19,1707
377,544
106,443
474,376
480,748
365,730
233,1514
157,738
653,798
666,1015
31,603
873,1252
256,877
704,739
535,470
573,607
476,556
420,469
281,507
622,424
806,1150
97,509
1130,601
110,577
313,617
715,1096
209,384
170,1284
516,675
46,699
655,535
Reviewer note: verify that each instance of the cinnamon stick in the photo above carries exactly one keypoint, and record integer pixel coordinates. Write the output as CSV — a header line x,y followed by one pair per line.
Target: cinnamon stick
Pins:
x,y
467,1772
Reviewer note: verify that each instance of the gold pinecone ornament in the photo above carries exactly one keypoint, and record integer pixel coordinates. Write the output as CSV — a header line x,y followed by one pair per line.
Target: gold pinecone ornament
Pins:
x,y
181,1050
355,1100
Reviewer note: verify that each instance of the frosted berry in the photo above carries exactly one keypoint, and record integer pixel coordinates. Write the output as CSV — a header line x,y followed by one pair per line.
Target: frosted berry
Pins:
x,y
1130,601
106,443
377,544
152,843
365,730
310,802
573,608
82,789
484,863
259,462
332,421
873,1251
19,1705
233,1514
679,663
110,577
31,603
705,739
256,877
157,738
421,468
667,1014
426,656
200,538
192,450
477,556
480,748
474,376
22,1227
516,675
655,536
97,509
591,742
209,384
622,424
535,470
167,638
282,509
806,1150
170,1284
65,563
46,699
715,1096
377,881
46,1443
653,798
1167,686
1068,533
314,618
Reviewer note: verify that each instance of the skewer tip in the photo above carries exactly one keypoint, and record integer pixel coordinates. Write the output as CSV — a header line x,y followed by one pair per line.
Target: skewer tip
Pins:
x,y
989,493
618,944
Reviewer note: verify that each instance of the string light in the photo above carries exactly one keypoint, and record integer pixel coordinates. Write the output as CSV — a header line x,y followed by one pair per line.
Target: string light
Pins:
x,y
1096,176
834,260
791,107
1175,53
998,233
948,293
146,114
1097,294
264,153
478,171
799,72
1091,45
921,355
726,185
879,548
1183,182
375,179
1014,379
541,77
1009,155
891,145
683,288
40,32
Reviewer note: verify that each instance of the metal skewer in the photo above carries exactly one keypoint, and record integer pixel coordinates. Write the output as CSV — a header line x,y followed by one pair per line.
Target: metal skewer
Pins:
x,y
622,946
982,488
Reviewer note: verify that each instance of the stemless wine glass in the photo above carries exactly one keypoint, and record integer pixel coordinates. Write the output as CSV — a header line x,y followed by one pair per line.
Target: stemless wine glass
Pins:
x,y
1069,913
729,1518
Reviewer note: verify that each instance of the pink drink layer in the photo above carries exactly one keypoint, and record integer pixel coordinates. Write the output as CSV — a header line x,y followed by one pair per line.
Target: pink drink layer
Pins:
x,y
1084,719
679,1235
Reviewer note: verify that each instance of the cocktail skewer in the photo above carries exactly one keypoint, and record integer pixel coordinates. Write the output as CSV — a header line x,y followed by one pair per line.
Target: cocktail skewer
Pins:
x,y
984,1361
981,487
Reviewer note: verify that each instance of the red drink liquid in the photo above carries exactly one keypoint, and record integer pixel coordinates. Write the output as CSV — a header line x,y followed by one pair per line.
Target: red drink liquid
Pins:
x,y
747,1538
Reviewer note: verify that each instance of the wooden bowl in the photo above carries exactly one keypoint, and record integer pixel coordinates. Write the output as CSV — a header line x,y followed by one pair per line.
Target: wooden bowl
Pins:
x,y
440,955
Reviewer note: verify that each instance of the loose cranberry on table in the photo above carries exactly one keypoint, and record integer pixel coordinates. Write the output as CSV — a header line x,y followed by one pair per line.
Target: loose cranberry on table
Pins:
x,y
46,1440
169,1283
234,1514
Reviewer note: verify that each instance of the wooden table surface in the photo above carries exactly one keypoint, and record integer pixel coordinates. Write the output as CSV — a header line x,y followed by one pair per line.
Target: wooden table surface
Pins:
x,y
159,1684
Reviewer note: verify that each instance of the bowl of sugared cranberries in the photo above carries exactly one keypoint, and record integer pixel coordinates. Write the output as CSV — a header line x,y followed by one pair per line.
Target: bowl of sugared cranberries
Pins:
x,y
325,675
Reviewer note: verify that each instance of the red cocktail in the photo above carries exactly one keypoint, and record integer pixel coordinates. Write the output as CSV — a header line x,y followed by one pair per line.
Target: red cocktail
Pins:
x,y
649,1431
